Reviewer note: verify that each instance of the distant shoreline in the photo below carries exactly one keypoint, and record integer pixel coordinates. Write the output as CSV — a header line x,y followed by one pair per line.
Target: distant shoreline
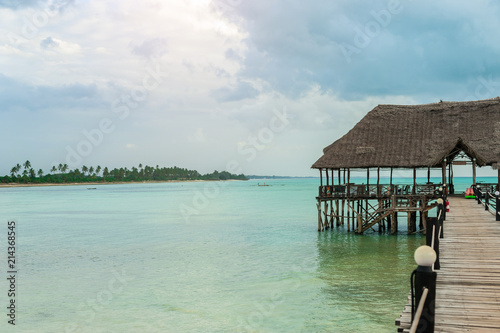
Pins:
x,y
110,183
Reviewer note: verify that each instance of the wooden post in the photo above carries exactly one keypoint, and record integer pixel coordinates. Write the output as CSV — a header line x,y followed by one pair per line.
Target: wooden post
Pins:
x,y
332,212
409,223
423,215
326,216
321,177
337,219
379,208
357,216
414,191
391,177
327,180
487,200
449,172
318,204
474,171
497,207
366,209
452,188
498,196
428,175
378,182
368,176
443,171
348,216
394,221
360,225
343,205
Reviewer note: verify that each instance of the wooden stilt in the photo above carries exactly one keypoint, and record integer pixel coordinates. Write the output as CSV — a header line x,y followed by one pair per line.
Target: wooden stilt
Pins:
x,y
348,216
327,177
474,171
443,172
332,214
378,178
414,190
326,216
320,223
337,220
380,205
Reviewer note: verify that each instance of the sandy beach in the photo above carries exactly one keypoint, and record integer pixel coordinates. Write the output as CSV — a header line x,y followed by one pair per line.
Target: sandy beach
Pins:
x,y
107,183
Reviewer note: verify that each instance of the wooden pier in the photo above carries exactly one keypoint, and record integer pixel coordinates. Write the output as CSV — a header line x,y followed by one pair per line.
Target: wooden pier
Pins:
x,y
363,207
468,283
427,138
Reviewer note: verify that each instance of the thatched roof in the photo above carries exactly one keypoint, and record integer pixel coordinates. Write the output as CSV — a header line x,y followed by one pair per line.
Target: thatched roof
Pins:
x,y
408,136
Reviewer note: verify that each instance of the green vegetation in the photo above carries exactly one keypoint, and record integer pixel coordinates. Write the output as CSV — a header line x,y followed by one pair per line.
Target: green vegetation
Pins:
x,y
61,174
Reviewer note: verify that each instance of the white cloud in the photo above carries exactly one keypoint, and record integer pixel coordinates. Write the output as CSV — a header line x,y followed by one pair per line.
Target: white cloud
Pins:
x,y
226,65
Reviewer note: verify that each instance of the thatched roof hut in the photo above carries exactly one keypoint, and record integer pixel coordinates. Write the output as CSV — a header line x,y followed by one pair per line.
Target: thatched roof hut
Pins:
x,y
416,136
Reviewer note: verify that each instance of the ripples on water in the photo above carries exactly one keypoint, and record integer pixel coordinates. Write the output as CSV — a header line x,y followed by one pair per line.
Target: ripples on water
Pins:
x,y
123,259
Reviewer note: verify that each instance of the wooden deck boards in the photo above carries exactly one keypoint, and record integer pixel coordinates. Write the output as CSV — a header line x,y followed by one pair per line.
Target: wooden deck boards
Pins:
x,y
468,283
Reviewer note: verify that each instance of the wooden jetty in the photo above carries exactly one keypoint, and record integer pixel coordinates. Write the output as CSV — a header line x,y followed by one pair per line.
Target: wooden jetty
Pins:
x,y
468,283
414,138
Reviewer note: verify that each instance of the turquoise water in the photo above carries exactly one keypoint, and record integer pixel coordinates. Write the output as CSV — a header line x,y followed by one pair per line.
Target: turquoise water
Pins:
x,y
196,257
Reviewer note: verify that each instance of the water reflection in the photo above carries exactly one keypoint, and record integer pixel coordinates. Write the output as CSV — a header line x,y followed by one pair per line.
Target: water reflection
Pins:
x,y
366,276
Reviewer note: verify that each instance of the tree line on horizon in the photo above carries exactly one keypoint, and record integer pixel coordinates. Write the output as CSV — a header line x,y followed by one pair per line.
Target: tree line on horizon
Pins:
x,y
26,174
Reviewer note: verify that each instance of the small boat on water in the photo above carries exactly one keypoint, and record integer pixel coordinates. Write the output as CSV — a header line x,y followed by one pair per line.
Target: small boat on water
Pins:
x,y
91,188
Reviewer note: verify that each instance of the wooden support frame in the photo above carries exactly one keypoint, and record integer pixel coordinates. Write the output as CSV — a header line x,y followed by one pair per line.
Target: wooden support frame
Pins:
x,y
367,205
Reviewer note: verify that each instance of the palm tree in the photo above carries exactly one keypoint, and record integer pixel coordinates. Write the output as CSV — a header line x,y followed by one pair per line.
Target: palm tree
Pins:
x,y
54,169
65,168
84,169
13,171
91,170
98,170
60,167
40,173
32,173
27,165
105,172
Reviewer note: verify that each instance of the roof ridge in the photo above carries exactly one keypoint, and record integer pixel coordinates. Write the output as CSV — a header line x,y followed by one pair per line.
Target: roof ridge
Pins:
x,y
441,102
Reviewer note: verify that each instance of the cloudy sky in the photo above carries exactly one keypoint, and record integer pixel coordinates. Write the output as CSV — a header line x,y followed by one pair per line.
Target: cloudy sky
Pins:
x,y
265,84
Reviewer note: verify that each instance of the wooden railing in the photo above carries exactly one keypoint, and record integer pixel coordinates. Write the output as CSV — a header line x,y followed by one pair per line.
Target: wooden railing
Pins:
x,y
418,313
488,196
377,191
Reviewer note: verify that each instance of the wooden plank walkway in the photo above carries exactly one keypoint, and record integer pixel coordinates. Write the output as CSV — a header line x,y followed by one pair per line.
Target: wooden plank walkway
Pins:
x,y
468,283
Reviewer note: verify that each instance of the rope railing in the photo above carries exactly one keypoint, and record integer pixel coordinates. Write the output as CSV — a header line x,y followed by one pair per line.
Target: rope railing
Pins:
x,y
418,313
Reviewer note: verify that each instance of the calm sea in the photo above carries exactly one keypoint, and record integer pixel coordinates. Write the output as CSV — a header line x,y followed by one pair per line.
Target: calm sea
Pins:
x,y
196,257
